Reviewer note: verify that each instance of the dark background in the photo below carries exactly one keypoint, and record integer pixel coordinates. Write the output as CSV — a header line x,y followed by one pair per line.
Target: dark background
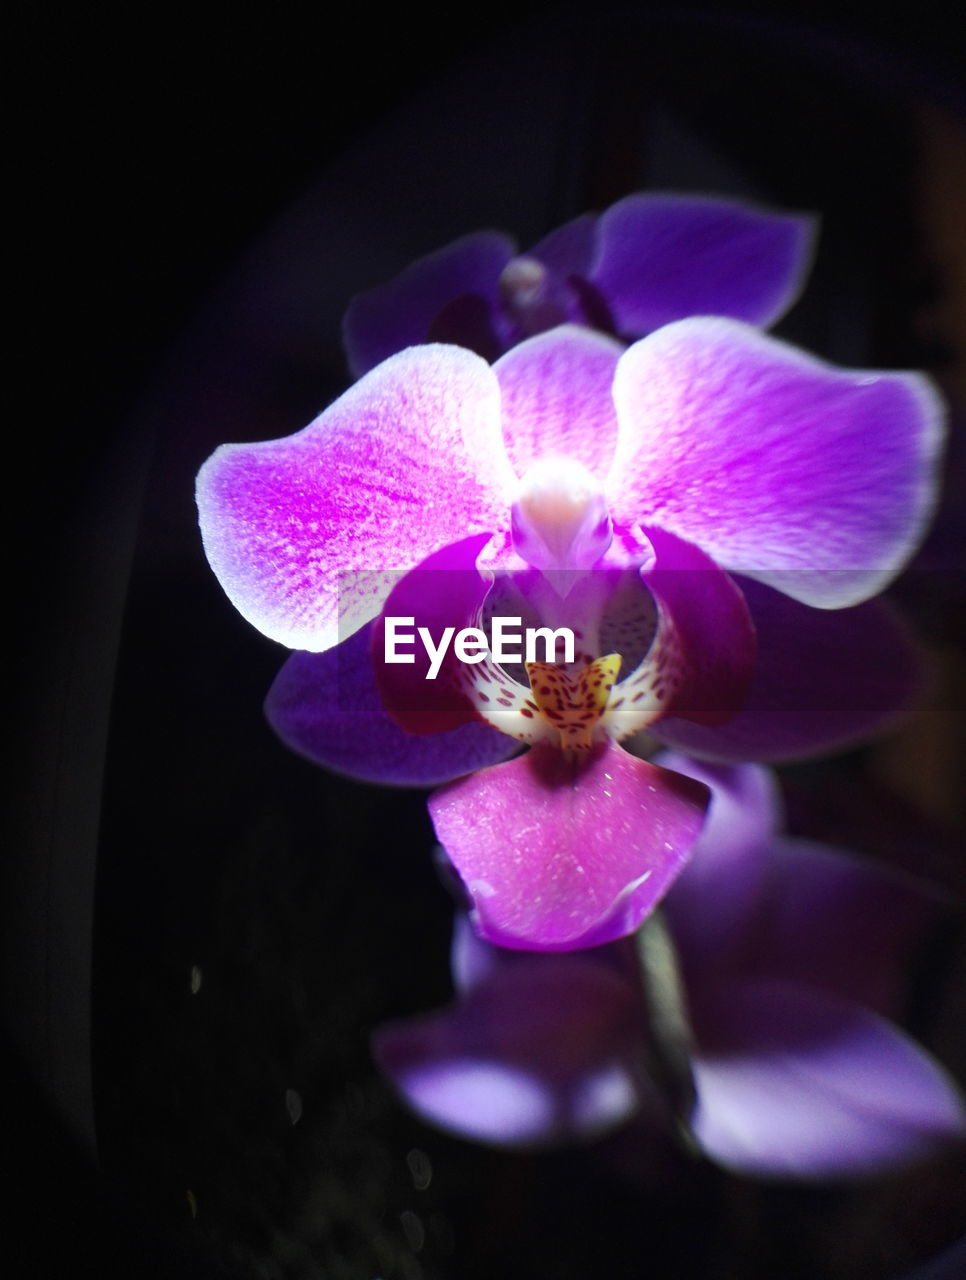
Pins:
x,y
195,199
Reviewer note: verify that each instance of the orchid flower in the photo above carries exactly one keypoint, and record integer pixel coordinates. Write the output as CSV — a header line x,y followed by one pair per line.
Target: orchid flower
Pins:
x,y
691,507
581,484
789,959
649,259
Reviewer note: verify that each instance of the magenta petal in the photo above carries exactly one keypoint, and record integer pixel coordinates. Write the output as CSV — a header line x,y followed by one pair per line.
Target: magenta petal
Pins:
x,y
706,625
796,1083
718,894
823,680
556,398
559,853
814,479
543,1051
444,591
326,707
303,531
399,314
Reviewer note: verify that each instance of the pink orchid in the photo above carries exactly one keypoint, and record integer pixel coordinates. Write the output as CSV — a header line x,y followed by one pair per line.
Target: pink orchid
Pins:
x,y
612,491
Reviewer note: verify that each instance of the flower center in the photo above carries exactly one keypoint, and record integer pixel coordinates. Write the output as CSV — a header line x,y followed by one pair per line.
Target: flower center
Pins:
x,y
526,294
560,518
574,705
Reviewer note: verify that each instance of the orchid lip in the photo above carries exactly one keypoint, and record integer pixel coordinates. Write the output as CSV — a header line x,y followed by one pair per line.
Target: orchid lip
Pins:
x,y
574,706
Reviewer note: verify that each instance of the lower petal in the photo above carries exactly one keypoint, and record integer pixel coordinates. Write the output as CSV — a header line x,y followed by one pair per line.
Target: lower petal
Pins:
x,y
795,1083
559,853
823,681
443,593
326,707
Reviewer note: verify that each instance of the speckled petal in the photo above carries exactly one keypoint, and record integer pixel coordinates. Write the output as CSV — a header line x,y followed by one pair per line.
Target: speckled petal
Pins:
x,y
400,313
814,479
559,852
556,398
663,257
325,706
823,680
540,1052
304,532
795,1083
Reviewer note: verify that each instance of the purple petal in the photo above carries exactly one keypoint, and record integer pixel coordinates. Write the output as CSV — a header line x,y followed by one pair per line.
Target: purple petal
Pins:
x,y
302,531
816,480
540,1052
559,853
663,257
472,960
556,398
445,591
326,706
823,681
568,250
400,314
706,627
834,921
796,1083
718,893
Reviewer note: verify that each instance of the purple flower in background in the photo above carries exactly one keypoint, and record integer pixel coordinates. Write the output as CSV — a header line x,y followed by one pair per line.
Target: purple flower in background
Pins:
x,y
791,959
646,261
